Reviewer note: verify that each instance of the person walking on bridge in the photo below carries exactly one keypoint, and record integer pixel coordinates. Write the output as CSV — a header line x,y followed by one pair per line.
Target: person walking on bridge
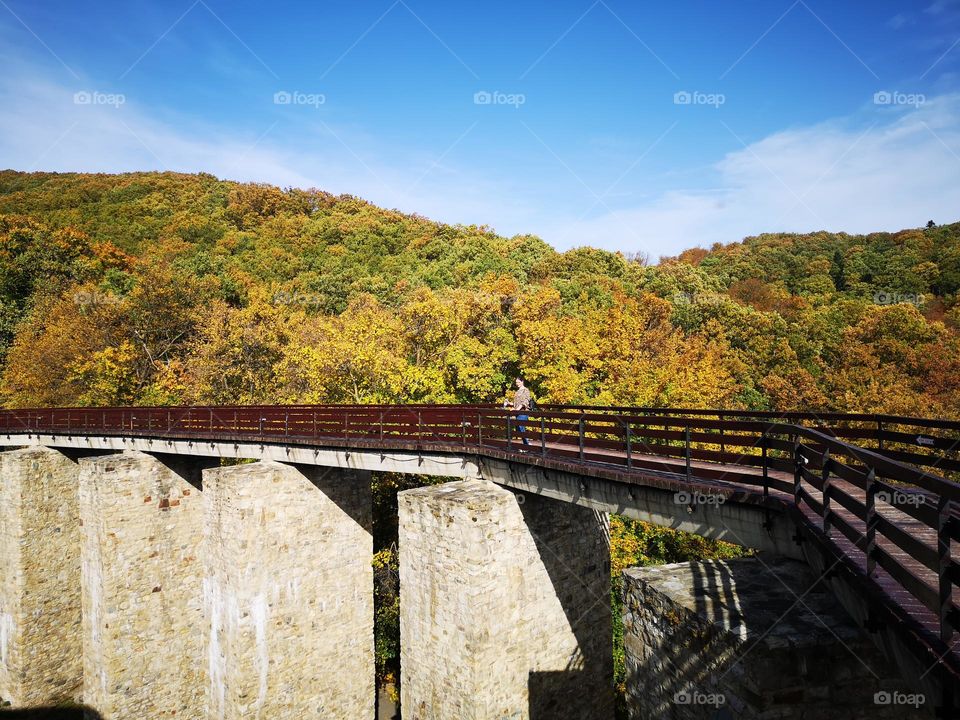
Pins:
x,y
521,406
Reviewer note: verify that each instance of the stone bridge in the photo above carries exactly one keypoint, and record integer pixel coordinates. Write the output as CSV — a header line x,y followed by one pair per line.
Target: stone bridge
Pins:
x,y
150,579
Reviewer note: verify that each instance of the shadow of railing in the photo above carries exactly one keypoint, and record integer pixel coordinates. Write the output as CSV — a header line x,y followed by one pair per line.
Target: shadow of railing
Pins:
x,y
60,712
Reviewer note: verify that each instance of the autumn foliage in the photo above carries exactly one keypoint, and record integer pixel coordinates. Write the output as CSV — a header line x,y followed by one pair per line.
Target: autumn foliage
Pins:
x,y
164,288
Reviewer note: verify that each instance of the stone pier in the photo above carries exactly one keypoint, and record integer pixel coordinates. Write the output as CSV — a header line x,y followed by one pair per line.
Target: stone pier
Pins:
x,y
288,592
40,648
141,577
750,638
504,606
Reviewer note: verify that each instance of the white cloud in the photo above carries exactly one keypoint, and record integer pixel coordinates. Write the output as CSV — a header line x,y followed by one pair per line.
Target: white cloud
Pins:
x,y
898,173
43,128
837,176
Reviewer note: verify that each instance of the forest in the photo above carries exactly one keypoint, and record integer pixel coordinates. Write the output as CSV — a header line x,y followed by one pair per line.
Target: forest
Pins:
x,y
159,288
164,288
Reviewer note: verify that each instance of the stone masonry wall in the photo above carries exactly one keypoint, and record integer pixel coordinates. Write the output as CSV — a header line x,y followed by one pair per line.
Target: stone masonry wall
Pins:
x,y
731,637
142,613
288,593
504,609
40,570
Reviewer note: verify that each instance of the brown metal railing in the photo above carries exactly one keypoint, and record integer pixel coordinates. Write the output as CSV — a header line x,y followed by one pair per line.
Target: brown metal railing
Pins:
x,y
886,510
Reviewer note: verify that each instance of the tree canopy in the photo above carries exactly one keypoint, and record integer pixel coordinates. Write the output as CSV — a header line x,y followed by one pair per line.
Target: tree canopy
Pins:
x,y
157,288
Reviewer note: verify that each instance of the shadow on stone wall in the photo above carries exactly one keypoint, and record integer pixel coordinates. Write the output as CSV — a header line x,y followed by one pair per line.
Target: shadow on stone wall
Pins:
x,y
574,545
76,712
746,638
715,596
347,489
188,467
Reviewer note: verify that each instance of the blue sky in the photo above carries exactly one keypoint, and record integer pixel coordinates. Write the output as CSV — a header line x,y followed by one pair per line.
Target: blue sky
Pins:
x,y
635,126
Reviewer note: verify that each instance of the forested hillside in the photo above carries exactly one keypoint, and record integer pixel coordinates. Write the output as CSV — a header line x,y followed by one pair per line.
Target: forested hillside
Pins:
x,y
167,288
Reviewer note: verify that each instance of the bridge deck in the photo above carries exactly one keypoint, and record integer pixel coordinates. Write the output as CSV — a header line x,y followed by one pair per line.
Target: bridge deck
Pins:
x,y
728,476
894,525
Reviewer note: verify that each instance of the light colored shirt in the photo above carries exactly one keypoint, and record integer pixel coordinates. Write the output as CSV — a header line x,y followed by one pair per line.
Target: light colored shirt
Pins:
x,y
521,399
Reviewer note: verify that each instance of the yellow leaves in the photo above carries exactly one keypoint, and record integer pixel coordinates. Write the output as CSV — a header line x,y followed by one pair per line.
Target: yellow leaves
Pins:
x,y
62,334
356,357
108,376
501,285
628,353
428,325
233,355
796,391
626,547
476,365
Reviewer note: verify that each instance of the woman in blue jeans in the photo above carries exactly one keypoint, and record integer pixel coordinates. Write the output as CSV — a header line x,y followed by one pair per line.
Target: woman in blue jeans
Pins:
x,y
521,405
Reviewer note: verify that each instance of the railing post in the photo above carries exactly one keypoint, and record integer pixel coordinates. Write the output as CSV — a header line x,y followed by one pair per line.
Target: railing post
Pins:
x,y
582,434
480,429
211,420
236,424
723,446
686,452
797,473
945,586
871,520
381,424
286,423
879,434
543,437
419,427
629,446
766,468
346,426
825,475
509,432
